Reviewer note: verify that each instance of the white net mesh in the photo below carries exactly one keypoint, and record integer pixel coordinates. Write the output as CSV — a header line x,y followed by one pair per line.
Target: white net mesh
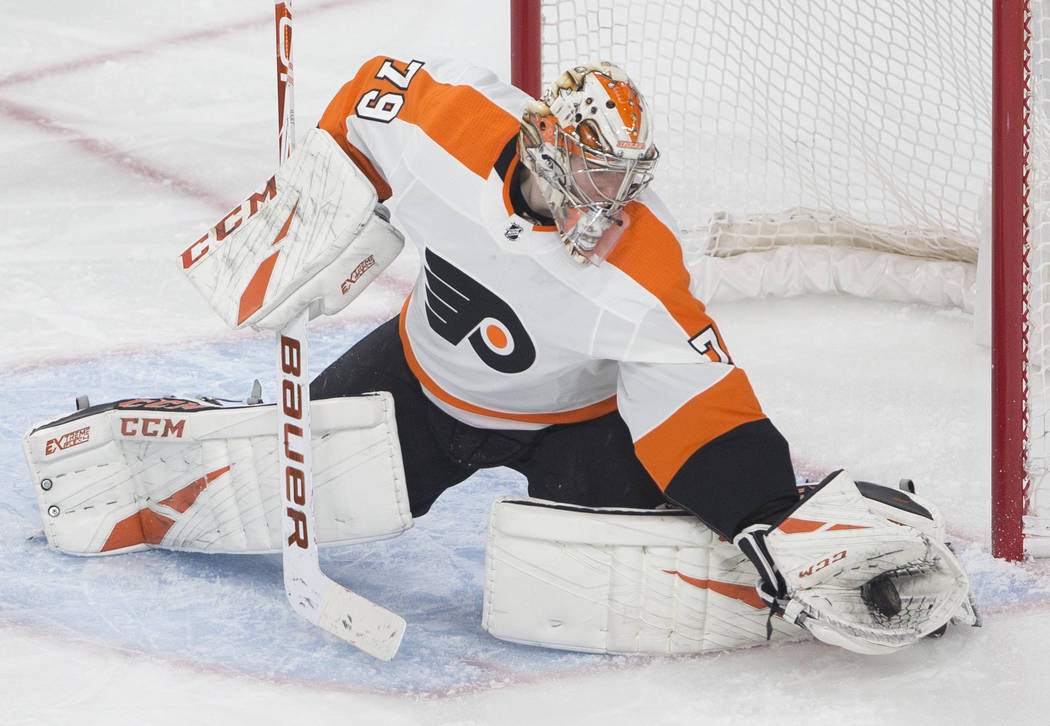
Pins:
x,y
866,120
1037,457
833,145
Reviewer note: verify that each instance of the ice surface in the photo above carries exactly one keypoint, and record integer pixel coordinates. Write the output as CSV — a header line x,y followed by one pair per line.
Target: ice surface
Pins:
x,y
126,129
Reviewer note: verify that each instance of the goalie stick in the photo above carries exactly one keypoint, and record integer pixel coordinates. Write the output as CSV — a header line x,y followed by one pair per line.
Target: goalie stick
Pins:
x,y
311,593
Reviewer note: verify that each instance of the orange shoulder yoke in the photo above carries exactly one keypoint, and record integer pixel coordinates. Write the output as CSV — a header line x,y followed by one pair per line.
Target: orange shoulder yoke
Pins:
x,y
459,118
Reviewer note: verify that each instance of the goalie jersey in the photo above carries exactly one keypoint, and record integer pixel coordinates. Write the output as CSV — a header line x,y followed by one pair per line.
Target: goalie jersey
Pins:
x,y
503,328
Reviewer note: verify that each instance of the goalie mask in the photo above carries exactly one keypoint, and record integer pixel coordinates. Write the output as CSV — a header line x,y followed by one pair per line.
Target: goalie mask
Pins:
x,y
589,142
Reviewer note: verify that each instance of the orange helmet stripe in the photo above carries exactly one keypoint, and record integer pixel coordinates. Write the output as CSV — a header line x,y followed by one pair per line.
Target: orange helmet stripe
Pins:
x,y
628,105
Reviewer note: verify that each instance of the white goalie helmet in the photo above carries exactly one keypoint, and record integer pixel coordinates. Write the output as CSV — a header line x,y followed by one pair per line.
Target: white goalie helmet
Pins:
x,y
589,141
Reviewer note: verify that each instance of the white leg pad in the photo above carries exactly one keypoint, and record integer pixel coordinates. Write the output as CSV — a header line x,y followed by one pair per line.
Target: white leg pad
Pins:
x,y
618,581
189,475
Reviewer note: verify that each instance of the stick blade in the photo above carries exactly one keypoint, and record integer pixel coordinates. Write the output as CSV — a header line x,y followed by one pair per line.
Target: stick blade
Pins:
x,y
355,619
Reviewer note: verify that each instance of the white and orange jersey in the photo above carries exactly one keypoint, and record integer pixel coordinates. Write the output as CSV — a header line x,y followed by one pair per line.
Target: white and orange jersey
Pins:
x,y
503,328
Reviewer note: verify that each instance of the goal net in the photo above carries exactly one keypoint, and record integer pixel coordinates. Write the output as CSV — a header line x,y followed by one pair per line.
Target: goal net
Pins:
x,y
821,146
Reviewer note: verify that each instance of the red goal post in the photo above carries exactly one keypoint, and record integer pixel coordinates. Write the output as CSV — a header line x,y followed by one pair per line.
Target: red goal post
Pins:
x,y
1012,488
857,142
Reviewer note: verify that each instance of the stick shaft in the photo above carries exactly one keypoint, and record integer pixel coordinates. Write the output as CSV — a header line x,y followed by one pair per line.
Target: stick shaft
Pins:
x,y
311,593
285,80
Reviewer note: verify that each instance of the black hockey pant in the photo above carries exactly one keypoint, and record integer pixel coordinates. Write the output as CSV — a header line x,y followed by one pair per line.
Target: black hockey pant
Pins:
x,y
591,463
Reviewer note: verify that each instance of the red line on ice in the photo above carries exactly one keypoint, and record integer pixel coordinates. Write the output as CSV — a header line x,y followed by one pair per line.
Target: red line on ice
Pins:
x,y
193,36
114,154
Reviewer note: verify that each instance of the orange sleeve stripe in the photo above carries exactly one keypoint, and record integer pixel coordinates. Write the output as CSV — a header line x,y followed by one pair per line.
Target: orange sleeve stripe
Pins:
x,y
333,120
652,257
729,403
579,414
478,143
460,119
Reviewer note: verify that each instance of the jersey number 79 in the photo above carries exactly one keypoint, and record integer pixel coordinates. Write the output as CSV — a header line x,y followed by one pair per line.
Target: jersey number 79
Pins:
x,y
377,105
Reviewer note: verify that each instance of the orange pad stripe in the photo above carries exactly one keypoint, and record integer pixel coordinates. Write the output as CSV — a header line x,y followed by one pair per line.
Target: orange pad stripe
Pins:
x,y
744,593
793,525
184,498
253,295
148,527
144,526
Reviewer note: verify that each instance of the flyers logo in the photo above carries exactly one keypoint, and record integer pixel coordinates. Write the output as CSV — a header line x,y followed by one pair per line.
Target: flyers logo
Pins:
x,y
459,308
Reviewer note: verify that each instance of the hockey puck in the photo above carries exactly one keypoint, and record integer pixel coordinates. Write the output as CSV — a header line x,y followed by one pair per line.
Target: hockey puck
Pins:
x,y
881,595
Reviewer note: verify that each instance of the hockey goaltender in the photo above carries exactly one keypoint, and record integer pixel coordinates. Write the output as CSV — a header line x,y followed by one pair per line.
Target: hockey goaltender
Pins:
x,y
551,330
